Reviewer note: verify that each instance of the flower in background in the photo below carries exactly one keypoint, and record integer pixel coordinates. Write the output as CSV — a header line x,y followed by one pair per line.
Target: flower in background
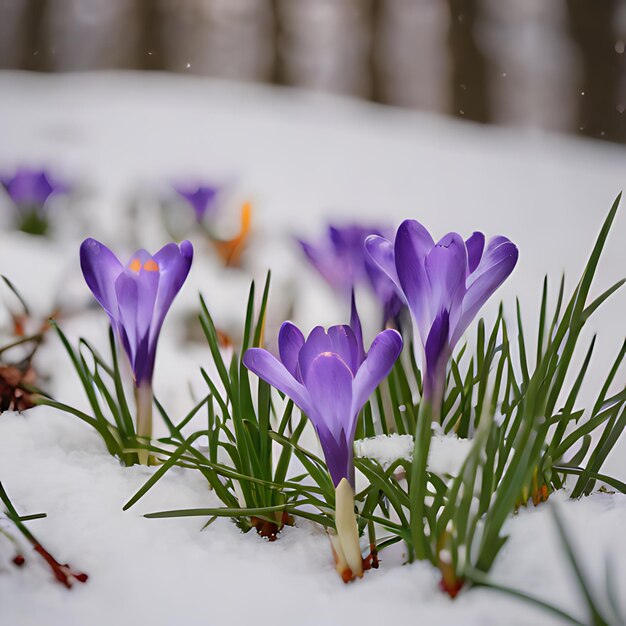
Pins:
x,y
230,251
444,284
137,297
330,377
201,198
384,289
29,191
343,262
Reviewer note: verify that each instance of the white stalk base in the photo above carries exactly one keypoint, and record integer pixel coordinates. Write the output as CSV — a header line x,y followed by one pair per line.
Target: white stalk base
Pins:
x,y
346,546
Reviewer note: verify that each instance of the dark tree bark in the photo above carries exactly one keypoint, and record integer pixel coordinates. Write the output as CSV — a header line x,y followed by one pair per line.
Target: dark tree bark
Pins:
x,y
468,75
592,25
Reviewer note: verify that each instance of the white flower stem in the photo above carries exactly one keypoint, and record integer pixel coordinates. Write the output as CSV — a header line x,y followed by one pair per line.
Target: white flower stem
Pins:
x,y
346,544
144,399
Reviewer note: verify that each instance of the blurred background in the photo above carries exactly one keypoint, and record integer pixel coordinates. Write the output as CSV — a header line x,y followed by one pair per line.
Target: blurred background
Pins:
x,y
557,65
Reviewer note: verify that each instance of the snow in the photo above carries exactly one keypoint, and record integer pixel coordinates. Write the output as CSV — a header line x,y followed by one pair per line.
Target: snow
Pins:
x,y
302,159
385,448
446,454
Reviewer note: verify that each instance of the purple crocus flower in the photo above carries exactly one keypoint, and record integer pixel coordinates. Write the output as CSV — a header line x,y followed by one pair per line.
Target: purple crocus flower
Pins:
x,y
29,190
201,198
444,284
30,187
137,296
342,261
330,377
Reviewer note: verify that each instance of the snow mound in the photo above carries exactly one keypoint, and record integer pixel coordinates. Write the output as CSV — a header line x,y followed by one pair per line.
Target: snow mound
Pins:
x,y
447,452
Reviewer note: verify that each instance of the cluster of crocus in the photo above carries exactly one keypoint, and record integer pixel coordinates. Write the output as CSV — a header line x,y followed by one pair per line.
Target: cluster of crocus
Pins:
x,y
445,284
341,259
137,297
330,377
29,190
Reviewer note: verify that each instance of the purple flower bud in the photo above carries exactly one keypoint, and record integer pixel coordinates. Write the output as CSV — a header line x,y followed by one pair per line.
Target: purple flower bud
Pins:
x,y
201,198
136,297
444,284
330,377
31,187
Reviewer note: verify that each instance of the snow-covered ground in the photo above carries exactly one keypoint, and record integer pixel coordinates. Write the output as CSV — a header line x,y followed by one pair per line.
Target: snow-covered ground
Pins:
x,y
302,159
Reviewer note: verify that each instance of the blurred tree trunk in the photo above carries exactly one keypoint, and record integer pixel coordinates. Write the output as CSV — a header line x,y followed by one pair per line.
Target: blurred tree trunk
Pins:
x,y
224,38
325,44
469,78
531,63
91,34
151,49
411,61
17,34
593,26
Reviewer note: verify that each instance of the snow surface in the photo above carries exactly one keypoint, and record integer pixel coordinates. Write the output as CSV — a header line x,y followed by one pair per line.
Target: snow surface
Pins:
x,y
446,454
302,159
385,448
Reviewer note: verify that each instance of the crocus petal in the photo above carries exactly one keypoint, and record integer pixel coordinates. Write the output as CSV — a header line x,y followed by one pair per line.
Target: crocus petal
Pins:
x,y
385,289
437,351
267,367
381,251
348,242
138,260
127,296
330,387
475,246
494,268
148,285
412,245
325,261
494,243
344,343
355,324
446,267
338,453
173,264
41,188
290,342
201,199
136,294
31,186
101,268
316,343
382,354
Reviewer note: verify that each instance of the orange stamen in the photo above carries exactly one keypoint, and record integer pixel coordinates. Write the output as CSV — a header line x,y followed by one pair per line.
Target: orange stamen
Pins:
x,y
135,265
231,250
151,266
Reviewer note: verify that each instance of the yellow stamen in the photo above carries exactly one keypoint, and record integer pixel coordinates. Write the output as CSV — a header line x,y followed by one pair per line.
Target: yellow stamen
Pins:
x,y
151,266
135,265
